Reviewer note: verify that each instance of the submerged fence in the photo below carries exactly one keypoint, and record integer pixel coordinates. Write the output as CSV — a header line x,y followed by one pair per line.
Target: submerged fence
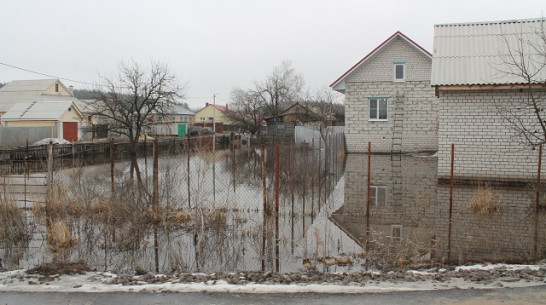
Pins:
x,y
179,205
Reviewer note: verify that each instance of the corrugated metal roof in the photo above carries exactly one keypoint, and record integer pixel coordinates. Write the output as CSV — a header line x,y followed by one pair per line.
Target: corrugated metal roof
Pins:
x,y
27,90
179,109
28,85
477,53
44,110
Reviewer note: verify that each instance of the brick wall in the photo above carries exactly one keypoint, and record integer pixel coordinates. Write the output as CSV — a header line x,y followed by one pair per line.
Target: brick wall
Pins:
x,y
375,79
485,145
422,211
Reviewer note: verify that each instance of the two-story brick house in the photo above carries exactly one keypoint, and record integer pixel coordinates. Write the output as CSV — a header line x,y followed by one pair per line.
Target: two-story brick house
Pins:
x,y
389,101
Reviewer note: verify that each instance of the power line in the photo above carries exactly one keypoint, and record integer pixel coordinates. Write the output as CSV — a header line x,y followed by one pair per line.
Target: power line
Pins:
x,y
44,74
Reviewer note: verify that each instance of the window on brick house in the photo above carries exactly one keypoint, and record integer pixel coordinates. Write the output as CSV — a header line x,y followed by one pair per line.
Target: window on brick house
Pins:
x,y
378,196
399,72
396,233
378,109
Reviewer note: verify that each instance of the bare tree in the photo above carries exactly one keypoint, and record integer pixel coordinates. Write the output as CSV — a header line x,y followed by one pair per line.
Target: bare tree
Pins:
x,y
282,88
128,100
247,110
326,107
524,62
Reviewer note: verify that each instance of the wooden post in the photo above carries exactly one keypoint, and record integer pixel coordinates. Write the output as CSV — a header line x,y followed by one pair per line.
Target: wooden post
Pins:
x,y
156,174
451,181
264,188
112,166
277,195
49,168
312,178
155,207
188,173
537,204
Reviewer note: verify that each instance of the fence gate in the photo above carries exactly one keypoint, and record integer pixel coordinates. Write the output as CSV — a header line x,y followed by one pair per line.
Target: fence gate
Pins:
x,y
70,131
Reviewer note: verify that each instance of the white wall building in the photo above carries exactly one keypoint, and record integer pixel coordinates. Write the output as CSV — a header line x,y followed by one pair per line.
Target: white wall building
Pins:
x,y
389,101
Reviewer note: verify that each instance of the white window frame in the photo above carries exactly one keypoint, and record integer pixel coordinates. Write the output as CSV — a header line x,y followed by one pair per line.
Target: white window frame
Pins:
x,y
403,65
378,100
374,189
395,228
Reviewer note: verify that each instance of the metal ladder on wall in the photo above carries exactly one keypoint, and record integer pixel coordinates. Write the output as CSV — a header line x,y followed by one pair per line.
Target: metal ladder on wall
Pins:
x,y
396,149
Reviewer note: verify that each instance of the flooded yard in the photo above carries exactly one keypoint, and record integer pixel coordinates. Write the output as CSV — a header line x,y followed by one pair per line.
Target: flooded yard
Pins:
x,y
204,212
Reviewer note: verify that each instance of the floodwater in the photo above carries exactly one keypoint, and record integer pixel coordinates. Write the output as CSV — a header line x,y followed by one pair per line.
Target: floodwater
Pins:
x,y
205,213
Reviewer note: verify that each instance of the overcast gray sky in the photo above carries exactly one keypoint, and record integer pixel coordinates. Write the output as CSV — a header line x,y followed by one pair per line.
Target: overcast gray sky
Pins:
x,y
216,46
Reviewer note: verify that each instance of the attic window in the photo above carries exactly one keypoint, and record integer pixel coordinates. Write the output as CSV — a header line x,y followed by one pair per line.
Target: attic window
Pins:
x,y
69,108
399,71
56,87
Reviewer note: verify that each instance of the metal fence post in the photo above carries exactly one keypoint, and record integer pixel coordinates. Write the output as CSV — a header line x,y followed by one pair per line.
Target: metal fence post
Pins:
x,y
451,181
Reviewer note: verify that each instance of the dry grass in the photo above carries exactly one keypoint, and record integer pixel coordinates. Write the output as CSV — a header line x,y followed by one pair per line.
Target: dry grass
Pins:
x,y
178,218
59,239
57,205
485,202
13,226
387,253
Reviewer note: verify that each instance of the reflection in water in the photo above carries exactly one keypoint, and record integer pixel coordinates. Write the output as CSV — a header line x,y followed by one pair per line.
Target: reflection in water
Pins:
x,y
322,216
124,230
409,216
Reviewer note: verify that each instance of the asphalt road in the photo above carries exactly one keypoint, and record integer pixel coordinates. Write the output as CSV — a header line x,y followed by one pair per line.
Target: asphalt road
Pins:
x,y
530,295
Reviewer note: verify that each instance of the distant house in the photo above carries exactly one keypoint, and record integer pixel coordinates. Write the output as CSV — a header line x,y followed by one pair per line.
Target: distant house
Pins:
x,y
33,91
389,101
208,115
62,118
173,123
282,127
476,97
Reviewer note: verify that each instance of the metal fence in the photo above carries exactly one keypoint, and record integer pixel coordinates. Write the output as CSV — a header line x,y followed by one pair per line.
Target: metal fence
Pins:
x,y
180,206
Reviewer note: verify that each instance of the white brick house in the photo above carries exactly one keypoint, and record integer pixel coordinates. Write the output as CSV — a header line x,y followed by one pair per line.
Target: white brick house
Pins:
x,y
389,101
476,96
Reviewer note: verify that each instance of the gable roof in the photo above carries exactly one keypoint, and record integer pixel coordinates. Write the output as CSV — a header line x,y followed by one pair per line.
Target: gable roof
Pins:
x,y
341,79
476,53
29,90
39,111
218,107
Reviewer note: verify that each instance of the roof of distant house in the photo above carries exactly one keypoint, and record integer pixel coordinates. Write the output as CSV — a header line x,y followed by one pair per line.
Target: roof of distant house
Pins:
x,y
219,107
39,111
29,90
477,53
341,79
180,109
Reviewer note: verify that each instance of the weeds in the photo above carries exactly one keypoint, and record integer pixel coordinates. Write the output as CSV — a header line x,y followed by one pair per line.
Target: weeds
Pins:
x,y
13,226
59,239
485,202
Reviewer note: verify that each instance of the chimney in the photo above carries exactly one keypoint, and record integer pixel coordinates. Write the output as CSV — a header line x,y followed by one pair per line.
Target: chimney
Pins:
x,y
206,104
71,88
227,106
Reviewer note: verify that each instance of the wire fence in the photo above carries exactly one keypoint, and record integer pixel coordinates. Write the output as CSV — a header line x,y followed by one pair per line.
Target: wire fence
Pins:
x,y
178,206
